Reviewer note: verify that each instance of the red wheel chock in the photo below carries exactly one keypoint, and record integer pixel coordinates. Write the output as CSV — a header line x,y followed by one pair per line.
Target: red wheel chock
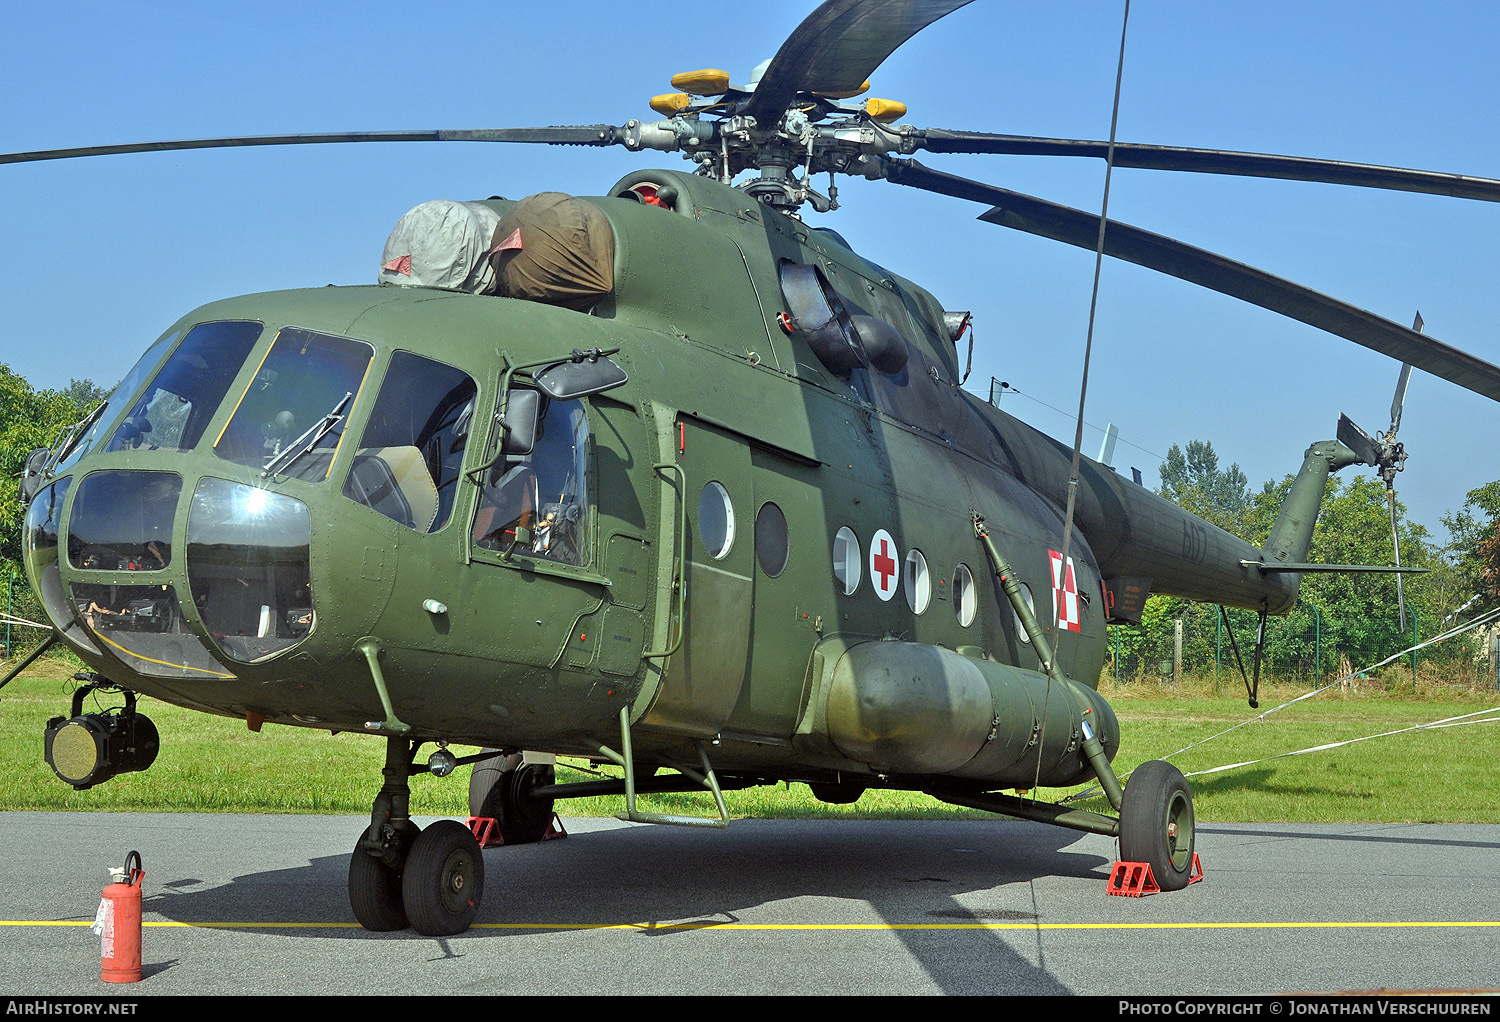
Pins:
x,y
1132,880
487,831
1135,879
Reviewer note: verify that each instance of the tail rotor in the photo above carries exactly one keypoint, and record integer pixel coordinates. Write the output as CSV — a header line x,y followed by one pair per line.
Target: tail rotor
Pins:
x,y
1387,455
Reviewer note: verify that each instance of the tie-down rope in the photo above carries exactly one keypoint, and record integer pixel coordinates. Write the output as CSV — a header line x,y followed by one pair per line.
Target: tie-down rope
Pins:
x,y
1482,619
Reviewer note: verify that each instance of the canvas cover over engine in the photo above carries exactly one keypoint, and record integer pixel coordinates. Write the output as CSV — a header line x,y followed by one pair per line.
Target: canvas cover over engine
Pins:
x,y
442,244
553,248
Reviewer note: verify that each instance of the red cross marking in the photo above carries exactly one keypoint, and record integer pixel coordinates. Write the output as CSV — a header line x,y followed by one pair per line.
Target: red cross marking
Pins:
x,y
885,565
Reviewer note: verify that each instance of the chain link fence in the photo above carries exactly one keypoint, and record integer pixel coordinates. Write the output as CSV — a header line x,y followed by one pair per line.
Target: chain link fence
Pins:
x,y
20,605
1304,649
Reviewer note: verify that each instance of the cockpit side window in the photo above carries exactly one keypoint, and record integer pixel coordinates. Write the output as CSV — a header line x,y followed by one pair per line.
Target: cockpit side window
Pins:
x,y
407,465
175,408
537,504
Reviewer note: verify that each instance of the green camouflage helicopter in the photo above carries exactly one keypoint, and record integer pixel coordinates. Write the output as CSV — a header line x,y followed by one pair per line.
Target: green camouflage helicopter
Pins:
x,y
663,478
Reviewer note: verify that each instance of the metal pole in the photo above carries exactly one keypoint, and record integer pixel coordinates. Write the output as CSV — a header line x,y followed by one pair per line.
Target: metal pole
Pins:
x,y
1414,652
1218,652
1117,656
1318,647
1177,652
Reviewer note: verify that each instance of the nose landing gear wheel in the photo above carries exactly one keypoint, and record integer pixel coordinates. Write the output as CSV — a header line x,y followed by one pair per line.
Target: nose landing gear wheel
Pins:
x,y
375,891
1156,823
443,880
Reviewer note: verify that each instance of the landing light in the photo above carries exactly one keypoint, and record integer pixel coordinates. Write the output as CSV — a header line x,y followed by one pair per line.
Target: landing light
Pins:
x,y
90,748
441,763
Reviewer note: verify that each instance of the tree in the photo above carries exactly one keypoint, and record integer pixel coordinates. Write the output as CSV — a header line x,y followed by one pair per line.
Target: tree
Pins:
x,y
29,419
1474,550
85,393
1193,481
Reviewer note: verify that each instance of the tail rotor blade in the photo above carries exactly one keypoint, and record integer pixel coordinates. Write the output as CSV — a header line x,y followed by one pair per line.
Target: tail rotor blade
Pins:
x,y
1358,441
1401,382
1399,399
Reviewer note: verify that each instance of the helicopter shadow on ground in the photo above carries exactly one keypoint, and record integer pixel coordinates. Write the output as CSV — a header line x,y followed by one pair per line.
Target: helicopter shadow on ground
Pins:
x,y
667,882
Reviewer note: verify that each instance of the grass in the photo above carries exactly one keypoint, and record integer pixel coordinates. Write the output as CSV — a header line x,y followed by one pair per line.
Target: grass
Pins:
x,y
213,764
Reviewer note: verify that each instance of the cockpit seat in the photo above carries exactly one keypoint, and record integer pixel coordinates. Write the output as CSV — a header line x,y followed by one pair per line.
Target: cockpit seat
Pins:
x,y
396,482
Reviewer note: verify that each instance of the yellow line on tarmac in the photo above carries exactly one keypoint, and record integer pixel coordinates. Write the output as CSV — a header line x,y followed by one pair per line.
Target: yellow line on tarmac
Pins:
x,y
711,925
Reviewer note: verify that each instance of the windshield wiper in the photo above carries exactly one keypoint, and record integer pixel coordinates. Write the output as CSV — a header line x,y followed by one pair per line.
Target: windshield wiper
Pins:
x,y
69,440
314,434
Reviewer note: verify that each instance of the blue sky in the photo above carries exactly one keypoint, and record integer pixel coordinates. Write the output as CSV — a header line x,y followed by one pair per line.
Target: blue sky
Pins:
x,y
103,253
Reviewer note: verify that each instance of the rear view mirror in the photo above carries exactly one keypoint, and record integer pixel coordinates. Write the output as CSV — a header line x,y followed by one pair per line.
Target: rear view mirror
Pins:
x,y
587,372
522,413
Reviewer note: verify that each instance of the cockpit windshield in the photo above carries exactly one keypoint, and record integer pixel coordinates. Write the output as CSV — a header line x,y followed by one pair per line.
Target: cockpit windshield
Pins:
x,y
126,387
306,379
174,410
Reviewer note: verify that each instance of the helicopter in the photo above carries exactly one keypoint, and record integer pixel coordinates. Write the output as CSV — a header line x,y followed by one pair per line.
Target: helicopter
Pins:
x,y
664,478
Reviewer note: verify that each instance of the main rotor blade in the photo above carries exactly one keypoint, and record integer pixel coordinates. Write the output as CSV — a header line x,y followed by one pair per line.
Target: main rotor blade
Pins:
x,y
589,135
1153,251
836,48
1217,161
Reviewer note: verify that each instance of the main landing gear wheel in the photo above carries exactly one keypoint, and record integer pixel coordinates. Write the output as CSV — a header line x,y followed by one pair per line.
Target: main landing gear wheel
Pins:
x,y
500,788
375,890
443,880
1156,823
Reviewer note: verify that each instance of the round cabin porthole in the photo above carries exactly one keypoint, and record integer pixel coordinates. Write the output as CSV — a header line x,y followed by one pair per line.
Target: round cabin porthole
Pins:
x,y
716,520
771,542
965,602
1030,603
916,582
846,560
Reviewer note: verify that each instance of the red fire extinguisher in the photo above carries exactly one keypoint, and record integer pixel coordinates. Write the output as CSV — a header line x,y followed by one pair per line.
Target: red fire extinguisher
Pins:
x,y
118,924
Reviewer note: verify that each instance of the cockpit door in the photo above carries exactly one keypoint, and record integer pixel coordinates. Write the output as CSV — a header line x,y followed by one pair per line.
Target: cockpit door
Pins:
x,y
713,559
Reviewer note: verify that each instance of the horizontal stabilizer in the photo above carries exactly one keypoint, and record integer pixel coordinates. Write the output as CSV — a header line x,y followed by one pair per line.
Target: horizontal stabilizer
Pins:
x,y
1270,566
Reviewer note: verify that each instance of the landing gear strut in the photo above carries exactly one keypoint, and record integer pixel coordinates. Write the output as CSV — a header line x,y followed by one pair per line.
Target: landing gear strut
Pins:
x,y
401,875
